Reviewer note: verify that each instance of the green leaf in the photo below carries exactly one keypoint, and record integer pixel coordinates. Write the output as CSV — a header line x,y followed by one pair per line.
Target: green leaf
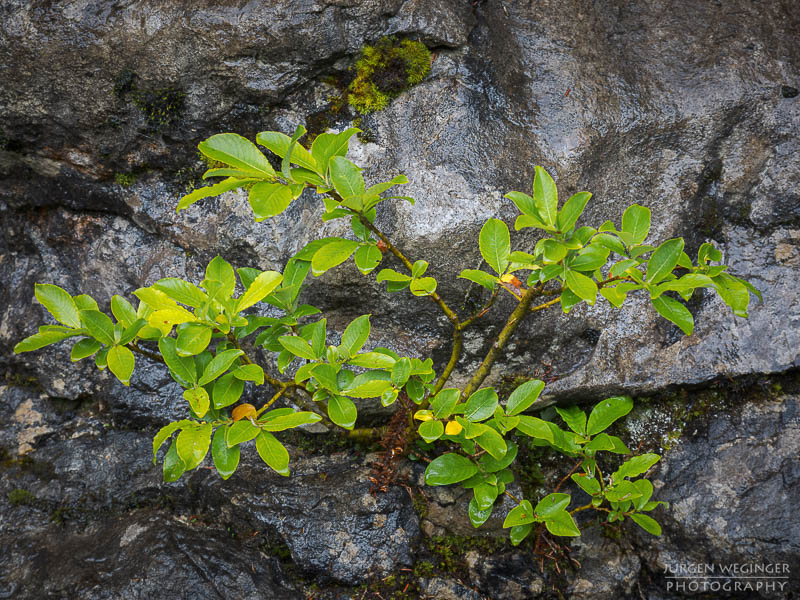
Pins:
x,y
587,483
220,279
495,244
182,367
674,311
123,311
649,524
491,464
444,402
645,488
606,412
449,468
373,388
392,276
519,533
635,466
401,371
493,443
545,196
552,251
367,258
562,523
522,514
355,335
480,277
522,397
181,291
526,206
240,432
346,178
225,459
572,209
58,303
198,400
238,152
226,185
485,494
164,433
279,144
121,363
664,259
332,254
342,411
290,421
326,376
250,372
173,465
610,242
481,405
218,365
83,348
551,504
273,453
99,326
259,289
535,428
226,391
193,338
192,444
636,223
328,145
574,417
582,286
423,287
477,516
372,360
41,339
268,200
430,431
297,346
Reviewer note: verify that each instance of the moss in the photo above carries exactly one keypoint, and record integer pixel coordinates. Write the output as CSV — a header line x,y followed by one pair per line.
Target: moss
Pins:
x,y
385,70
420,504
125,179
161,107
20,497
450,550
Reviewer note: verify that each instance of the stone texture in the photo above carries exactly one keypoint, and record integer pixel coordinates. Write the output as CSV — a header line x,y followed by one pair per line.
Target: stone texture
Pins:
x,y
688,108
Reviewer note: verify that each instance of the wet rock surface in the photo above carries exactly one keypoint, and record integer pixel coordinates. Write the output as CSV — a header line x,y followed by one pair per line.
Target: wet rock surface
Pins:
x,y
688,108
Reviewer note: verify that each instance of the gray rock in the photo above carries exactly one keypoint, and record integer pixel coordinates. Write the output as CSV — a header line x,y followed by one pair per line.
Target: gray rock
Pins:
x,y
145,555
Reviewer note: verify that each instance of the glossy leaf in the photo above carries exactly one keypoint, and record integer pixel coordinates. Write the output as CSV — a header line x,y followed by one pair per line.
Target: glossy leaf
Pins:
x,y
674,311
355,335
192,339
574,417
561,523
493,443
664,259
582,286
193,443
449,468
181,291
346,177
649,524
58,303
572,210
545,196
198,400
482,278
240,432
273,453
121,363
279,143
430,431
635,466
367,258
332,254
261,287
535,428
173,467
477,516
523,396
636,223
238,152
268,200
495,244
84,348
227,390
290,421
220,279
218,365
522,514
225,459
342,411
182,367
226,185
481,405
423,287
606,412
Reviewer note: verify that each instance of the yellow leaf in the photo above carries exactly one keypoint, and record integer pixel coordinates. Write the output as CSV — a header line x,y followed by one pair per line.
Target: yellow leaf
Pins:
x,y
453,428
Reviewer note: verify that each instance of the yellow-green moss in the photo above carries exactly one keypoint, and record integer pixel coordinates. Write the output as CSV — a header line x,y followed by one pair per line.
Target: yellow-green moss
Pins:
x,y
385,70
125,179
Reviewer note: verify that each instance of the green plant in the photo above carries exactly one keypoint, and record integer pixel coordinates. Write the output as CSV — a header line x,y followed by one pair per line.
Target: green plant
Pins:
x,y
201,334
386,69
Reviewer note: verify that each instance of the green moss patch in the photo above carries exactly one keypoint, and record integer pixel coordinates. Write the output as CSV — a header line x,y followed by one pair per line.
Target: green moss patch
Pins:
x,y
385,70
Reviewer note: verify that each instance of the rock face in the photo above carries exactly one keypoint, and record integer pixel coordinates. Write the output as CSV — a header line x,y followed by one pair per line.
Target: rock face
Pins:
x,y
688,108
